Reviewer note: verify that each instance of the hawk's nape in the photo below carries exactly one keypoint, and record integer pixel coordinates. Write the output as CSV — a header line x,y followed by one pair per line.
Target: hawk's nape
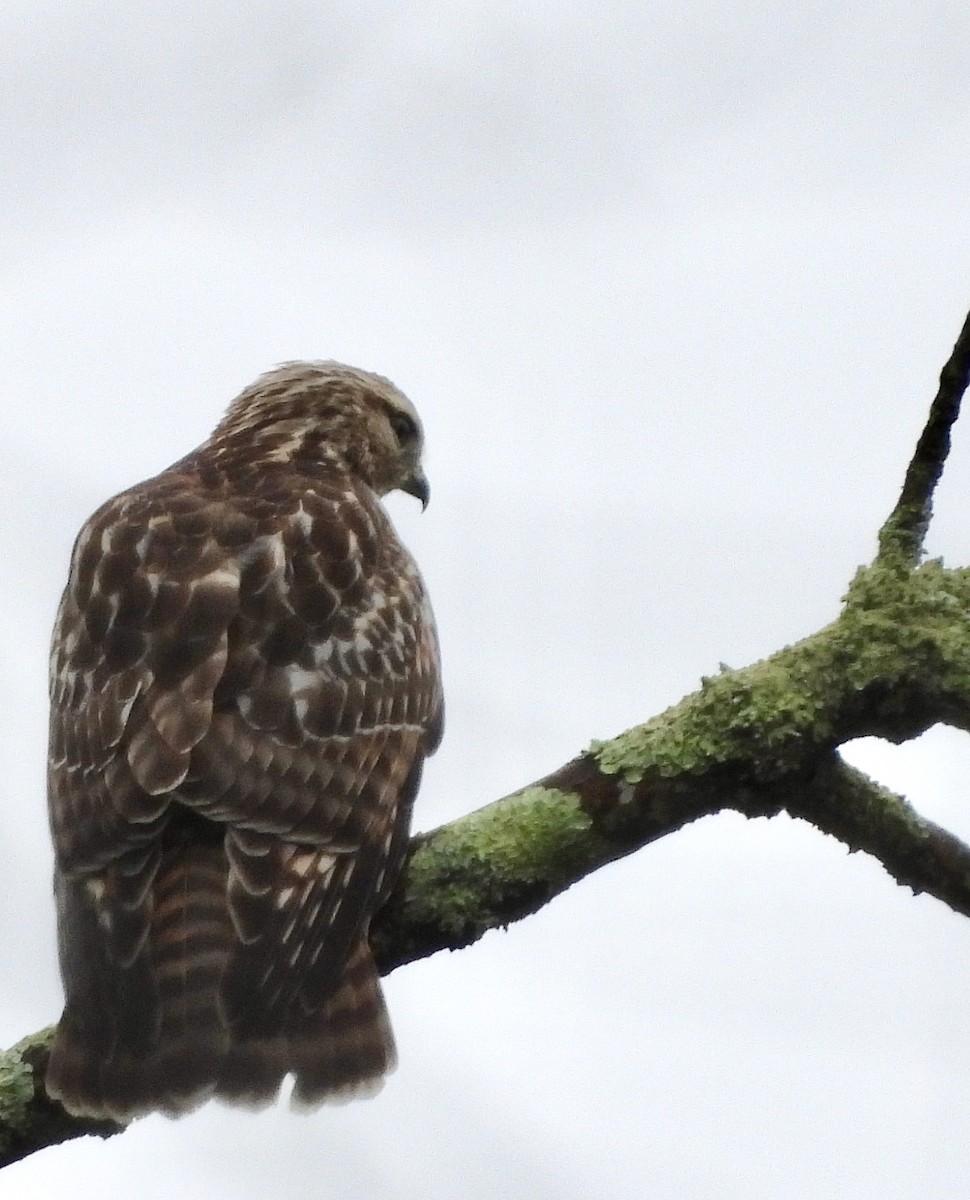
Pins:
x,y
244,687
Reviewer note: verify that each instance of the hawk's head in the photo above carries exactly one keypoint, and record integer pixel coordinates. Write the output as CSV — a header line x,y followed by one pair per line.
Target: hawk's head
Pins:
x,y
313,412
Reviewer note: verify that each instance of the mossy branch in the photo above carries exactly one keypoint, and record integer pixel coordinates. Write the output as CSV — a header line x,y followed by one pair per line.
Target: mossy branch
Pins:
x,y
29,1120
761,740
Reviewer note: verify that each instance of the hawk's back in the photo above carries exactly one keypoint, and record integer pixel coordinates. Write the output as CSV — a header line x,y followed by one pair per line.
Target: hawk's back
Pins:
x,y
244,686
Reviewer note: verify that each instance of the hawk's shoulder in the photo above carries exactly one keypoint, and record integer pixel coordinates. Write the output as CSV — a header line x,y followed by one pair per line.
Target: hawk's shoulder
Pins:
x,y
193,593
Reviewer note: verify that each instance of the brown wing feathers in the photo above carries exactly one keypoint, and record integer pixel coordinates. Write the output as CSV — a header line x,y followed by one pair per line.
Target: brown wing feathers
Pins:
x,y
244,684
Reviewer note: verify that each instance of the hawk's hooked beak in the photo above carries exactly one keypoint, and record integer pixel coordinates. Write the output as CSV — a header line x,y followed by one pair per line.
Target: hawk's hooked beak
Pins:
x,y
417,485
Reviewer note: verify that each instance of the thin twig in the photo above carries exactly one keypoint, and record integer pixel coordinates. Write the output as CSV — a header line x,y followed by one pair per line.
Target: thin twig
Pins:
x,y
902,536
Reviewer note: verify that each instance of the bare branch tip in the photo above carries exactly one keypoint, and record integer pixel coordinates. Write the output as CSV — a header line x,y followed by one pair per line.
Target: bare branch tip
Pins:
x,y
903,535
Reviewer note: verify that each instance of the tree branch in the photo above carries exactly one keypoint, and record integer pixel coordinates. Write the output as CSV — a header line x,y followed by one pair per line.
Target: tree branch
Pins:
x,y
761,740
902,536
866,816
29,1119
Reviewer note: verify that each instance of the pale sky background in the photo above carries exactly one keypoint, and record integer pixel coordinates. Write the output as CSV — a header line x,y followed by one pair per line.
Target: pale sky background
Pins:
x,y
671,286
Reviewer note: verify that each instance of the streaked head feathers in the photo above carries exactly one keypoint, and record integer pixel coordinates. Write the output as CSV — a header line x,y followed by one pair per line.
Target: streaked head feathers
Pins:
x,y
313,411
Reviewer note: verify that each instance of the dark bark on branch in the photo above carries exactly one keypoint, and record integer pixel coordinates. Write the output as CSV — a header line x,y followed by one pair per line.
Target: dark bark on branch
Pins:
x,y
904,532
760,741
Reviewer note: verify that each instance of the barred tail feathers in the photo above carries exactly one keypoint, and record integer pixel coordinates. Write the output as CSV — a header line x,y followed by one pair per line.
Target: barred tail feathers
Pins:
x,y
145,1026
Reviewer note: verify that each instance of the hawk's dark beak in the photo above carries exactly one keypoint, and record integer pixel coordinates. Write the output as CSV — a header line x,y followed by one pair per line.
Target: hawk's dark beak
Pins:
x,y
417,485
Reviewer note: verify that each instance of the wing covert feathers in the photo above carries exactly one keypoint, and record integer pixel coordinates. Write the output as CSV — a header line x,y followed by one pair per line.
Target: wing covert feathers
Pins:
x,y
244,686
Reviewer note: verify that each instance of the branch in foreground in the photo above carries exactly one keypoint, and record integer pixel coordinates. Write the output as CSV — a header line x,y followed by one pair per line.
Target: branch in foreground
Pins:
x,y
759,741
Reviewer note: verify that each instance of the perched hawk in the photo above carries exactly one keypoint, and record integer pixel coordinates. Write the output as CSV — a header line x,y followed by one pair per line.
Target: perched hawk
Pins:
x,y
244,687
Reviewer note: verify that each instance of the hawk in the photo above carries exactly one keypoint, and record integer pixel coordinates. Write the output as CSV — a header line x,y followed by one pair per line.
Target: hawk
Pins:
x,y
244,687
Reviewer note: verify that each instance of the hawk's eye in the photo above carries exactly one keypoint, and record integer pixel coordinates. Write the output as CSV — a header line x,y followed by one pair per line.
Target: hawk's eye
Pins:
x,y
404,428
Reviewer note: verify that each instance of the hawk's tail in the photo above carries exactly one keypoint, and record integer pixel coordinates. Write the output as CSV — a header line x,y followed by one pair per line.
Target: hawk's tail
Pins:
x,y
144,1028
341,1051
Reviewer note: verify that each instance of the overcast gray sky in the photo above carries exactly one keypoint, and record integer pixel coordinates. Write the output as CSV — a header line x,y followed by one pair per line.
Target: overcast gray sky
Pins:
x,y
670,286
